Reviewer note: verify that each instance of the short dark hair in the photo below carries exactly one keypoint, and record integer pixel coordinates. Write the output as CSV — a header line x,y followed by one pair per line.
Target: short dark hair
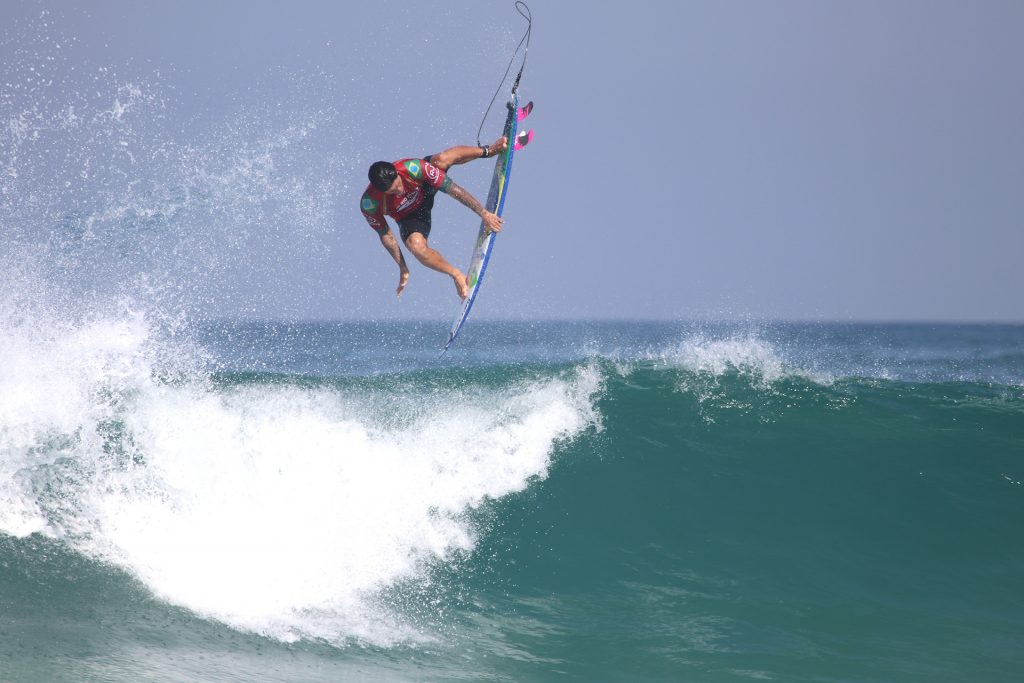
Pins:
x,y
382,174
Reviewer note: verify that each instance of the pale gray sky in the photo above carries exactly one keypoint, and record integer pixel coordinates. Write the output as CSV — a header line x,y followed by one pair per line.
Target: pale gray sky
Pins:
x,y
789,159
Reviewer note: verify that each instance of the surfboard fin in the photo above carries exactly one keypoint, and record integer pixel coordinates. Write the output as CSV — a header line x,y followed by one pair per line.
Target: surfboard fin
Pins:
x,y
523,139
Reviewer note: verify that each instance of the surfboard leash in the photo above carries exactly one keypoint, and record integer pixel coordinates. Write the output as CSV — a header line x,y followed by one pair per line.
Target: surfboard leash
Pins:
x,y
524,12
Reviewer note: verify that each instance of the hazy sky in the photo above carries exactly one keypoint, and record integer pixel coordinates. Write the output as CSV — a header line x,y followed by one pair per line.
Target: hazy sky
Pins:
x,y
788,159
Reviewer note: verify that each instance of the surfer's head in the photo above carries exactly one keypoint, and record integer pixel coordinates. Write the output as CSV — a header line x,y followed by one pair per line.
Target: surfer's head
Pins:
x,y
382,175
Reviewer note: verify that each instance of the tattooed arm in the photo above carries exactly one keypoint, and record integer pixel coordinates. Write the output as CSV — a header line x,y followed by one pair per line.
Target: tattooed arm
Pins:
x,y
492,221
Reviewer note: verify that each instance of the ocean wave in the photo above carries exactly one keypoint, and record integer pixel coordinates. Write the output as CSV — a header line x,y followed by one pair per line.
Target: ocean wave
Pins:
x,y
278,508
733,374
739,377
747,356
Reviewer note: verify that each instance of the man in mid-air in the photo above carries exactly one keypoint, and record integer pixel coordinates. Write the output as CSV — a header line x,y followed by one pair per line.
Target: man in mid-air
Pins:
x,y
405,191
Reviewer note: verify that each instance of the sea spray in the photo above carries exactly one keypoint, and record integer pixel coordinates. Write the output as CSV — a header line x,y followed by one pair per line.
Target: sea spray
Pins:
x,y
114,190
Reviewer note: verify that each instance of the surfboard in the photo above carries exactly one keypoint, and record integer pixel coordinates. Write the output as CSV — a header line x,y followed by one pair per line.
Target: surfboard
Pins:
x,y
495,204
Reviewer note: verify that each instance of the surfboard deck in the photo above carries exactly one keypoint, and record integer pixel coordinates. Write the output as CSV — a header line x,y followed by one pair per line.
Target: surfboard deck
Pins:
x,y
495,204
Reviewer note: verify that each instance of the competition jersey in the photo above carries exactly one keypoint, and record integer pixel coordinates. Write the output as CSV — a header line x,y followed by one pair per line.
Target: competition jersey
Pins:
x,y
417,176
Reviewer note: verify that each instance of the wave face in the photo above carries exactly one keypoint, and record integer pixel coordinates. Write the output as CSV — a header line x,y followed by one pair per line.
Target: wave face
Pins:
x,y
612,501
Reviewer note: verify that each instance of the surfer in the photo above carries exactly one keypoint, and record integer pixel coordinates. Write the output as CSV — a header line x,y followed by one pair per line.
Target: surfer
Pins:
x,y
405,191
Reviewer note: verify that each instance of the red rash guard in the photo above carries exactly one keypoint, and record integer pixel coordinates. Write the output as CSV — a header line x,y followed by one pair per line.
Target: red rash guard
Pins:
x,y
417,176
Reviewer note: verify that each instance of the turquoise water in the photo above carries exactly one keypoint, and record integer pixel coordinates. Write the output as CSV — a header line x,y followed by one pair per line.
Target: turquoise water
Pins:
x,y
551,501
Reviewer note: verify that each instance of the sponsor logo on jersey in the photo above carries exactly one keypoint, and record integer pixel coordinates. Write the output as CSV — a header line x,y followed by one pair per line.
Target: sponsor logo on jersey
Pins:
x,y
409,200
413,167
369,206
432,171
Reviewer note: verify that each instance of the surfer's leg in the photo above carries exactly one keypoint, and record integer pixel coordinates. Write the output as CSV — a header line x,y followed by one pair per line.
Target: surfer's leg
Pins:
x,y
431,258
460,154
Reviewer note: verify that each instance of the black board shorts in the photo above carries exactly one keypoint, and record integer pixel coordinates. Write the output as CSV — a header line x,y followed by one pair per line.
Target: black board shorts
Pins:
x,y
419,221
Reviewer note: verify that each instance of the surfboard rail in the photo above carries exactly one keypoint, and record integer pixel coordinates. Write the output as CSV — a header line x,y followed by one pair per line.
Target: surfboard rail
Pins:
x,y
495,204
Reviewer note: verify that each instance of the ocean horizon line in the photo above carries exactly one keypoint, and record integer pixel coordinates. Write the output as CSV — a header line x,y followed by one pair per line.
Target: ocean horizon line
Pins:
x,y
980,322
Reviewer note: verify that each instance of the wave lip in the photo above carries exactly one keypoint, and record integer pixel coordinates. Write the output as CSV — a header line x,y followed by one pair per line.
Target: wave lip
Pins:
x,y
741,374
747,356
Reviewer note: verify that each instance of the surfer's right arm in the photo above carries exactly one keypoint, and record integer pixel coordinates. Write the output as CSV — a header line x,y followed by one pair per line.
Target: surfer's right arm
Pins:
x,y
387,238
375,217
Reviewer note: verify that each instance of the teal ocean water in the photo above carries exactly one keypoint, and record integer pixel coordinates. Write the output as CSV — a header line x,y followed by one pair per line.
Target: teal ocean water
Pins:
x,y
549,502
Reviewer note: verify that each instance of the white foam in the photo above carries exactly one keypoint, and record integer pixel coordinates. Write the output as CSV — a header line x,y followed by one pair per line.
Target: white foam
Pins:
x,y
50,399
748,356
276,509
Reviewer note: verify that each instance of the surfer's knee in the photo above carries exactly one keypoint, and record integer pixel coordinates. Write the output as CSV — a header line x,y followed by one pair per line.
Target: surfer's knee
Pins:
x,y
416,243
443,160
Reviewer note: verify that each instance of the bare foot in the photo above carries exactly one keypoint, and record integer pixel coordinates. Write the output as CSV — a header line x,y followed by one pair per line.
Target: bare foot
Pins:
x,y
460,284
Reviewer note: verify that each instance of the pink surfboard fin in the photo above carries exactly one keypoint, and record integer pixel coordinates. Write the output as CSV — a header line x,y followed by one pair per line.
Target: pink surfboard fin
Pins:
x,y
523,139
525,111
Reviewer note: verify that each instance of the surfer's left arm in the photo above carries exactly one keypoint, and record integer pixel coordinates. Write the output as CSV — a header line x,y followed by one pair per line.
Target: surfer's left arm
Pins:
x,y
491,220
